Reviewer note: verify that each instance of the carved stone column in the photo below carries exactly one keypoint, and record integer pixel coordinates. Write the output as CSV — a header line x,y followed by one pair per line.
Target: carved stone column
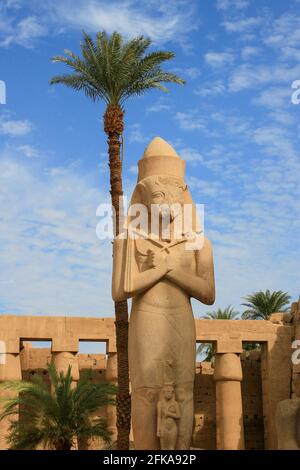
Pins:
x,y
10,369
228,376
62,361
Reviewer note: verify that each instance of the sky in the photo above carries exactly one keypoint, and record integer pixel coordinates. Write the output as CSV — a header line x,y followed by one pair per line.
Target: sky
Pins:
x,y
233,122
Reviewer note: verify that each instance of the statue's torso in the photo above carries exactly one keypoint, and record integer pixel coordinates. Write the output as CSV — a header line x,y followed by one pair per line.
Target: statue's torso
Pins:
x,y
162,327
166,294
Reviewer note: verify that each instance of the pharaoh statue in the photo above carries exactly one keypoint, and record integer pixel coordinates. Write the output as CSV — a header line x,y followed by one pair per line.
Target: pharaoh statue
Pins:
x,y
161,264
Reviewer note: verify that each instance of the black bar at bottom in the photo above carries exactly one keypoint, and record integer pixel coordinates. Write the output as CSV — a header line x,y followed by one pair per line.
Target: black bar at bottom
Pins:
x,y
134,459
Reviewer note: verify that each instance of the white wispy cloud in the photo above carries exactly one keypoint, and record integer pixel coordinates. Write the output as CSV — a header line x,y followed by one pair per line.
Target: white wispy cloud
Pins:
x,y
189,121
51,259
229,4
285,118
274,97
242,25
13,3
187,72
28,150
275,141
205,189
252,230
248,174
12,127
290,53
213,88
250,76
232,123
191,155
192,72
250,51
160,21
284,31
22,32
219,59
136,135
158,106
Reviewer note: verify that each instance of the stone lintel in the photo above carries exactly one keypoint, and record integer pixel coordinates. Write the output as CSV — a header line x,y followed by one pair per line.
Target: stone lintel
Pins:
x,y
65,345
12,345
228,345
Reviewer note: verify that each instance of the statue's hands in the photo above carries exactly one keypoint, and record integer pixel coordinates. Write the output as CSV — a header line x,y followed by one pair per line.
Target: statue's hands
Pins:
x,y
171,259
157,260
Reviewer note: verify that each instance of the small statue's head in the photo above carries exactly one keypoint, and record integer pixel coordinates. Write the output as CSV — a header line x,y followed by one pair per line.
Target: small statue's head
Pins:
x,y
168,391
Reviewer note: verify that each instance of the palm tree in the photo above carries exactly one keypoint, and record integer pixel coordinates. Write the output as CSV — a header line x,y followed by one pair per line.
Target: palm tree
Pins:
x,y
113,71
227,313
206,349
56,418
262,304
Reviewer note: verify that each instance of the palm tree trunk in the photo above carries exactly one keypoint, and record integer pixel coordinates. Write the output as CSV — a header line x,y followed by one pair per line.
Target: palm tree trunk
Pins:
x,y
113,126
63,445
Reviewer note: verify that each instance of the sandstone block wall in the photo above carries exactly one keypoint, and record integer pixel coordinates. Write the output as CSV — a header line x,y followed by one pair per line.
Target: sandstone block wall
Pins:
x,y
268,377
204,436
34,361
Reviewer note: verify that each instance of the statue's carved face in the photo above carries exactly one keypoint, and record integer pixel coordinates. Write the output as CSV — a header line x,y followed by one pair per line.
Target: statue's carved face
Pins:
x,y
165,191
168,392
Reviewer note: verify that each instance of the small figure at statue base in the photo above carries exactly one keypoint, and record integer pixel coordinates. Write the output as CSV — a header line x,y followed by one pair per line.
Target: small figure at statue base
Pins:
x,y
168,414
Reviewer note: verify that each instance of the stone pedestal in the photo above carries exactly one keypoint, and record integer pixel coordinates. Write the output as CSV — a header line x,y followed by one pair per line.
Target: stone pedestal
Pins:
x,y
10,370
229,411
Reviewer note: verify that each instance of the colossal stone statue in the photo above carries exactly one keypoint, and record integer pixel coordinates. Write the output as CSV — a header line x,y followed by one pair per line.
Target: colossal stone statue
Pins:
x,y
161,270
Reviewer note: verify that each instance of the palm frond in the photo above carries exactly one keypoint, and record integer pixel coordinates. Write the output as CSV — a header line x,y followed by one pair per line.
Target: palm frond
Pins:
x,y
227,313
55,417
114,70
260,305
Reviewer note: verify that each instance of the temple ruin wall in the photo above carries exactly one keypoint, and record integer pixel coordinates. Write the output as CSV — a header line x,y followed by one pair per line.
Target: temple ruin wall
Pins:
x,y
268,375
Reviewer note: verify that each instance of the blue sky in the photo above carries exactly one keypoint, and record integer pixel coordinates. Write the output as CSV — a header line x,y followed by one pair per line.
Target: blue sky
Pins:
x,y
233,122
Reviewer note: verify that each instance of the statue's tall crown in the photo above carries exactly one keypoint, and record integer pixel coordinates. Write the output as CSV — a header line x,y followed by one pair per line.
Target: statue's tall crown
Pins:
x,y
160,158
